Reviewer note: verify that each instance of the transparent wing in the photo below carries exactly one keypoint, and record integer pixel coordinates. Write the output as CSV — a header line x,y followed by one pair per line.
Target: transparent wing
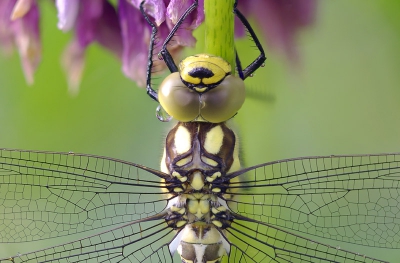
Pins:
x,y
140,241
46,195
256,242
347,198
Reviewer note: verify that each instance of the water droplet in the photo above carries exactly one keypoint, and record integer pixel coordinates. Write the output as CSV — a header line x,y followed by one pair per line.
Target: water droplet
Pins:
x,y
251,75
263,65
160,57
162,115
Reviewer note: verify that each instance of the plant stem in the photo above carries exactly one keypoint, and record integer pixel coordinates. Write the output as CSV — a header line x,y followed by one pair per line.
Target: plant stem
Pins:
x,y
219,29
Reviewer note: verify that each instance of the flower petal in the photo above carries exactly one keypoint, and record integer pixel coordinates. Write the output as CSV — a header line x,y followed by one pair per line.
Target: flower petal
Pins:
x,y
6,32
135,38
21,8
281,20
175,10
90,12
97,21
73,63
27,40
67,13
198,15
108,33
155,8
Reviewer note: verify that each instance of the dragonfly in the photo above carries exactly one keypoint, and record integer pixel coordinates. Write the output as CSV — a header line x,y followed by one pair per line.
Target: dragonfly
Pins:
x,y
202,88
344,198
201,207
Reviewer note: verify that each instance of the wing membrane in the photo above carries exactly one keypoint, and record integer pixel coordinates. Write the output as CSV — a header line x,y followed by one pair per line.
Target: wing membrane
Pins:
x,y
347,198
139,241
254,242
45,195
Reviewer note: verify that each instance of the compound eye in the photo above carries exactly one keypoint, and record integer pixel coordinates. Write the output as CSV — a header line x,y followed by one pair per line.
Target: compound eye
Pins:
x,y
177,99
216,105
222,102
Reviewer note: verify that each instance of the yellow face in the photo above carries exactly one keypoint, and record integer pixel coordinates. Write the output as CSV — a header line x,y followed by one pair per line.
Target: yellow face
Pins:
x,y
201,72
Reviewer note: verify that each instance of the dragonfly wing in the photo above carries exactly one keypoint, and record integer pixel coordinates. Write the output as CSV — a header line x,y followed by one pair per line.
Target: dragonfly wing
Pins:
x,y
47,195
139,241
346,198
255,242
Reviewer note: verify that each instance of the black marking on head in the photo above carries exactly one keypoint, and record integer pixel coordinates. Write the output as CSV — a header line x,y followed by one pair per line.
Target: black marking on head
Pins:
x,y
201,73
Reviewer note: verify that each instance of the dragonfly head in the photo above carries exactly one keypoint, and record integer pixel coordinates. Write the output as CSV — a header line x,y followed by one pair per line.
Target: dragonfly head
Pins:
x,y
203,90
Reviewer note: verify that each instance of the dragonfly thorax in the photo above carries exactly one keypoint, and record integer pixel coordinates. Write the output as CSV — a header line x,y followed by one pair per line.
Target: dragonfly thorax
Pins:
x,y
197,156
198,153
207,147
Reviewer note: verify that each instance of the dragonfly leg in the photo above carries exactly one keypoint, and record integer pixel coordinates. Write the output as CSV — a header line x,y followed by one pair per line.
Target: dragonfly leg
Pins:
x,y
259,61
150,91
169,61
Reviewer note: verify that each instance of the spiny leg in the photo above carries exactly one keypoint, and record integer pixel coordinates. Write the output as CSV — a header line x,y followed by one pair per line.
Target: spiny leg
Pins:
x,y
259,61
239,68
150,91
169,61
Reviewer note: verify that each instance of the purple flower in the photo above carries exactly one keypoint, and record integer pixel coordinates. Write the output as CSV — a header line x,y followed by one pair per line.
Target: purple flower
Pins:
x,y
280,21
136,32
135,37
92,21
19,26
124,32
184,34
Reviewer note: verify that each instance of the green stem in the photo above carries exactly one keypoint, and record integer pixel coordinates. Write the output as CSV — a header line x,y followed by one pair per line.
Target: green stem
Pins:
x,y
219,29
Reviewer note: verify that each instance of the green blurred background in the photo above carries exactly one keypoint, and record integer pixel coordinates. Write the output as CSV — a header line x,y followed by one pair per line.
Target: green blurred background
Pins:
x,y
344,99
